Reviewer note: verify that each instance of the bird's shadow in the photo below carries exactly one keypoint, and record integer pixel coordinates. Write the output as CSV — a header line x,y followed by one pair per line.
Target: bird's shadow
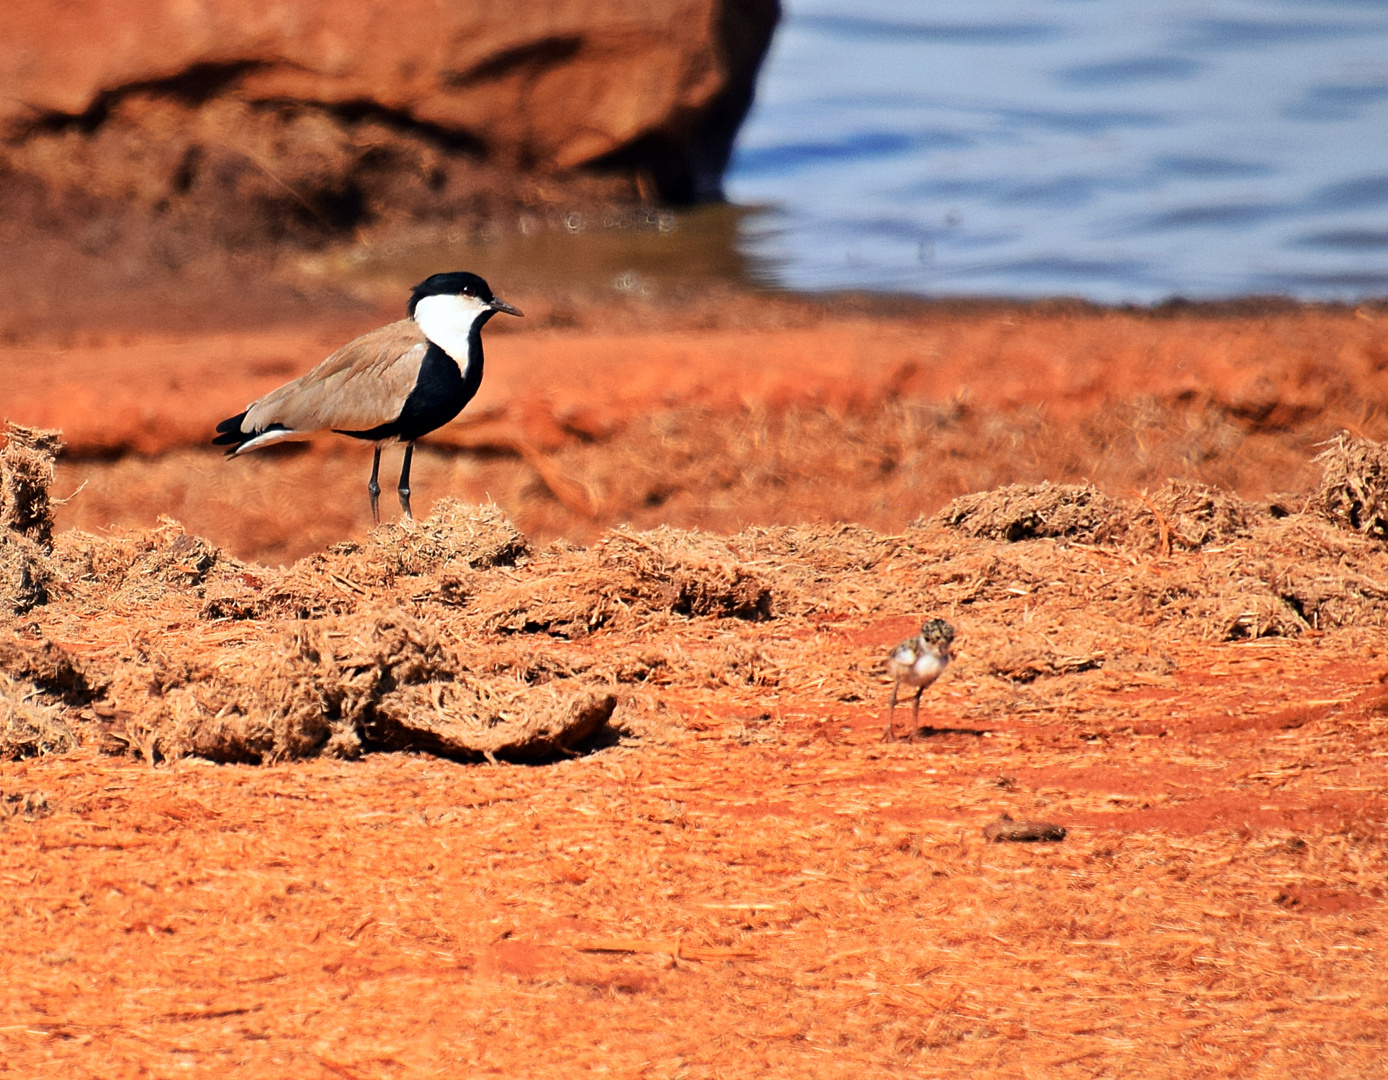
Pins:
x,y
928,732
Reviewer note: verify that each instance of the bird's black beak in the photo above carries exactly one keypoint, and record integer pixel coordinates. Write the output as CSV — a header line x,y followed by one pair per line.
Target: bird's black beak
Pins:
x,y
502,305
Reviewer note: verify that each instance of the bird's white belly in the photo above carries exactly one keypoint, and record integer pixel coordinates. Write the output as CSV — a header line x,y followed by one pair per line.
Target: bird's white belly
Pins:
x,y
925,670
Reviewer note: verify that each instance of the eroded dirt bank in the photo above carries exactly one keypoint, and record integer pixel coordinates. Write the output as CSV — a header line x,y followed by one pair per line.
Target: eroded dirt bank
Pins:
x,y
732,875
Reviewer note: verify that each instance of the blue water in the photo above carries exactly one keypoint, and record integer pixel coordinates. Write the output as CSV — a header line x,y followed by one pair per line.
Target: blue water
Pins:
x,y
1119,150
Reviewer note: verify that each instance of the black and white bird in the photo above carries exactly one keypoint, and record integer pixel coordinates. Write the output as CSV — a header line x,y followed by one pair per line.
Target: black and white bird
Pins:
x,y
917,662
394,384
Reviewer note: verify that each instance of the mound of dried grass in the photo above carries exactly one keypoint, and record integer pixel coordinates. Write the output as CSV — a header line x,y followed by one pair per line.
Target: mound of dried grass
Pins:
x,y
39,680
1354,485
495,718
26,517
27,574
453,542
378,679
688,573
564,596
26,474
332,582
455,535
825,550
140,568
574,591
30,724
1194,516
1025,656
1032,511
52,669
313,692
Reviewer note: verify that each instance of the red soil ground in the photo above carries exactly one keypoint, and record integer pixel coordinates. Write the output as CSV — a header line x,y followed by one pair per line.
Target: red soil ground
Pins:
x,y
754,885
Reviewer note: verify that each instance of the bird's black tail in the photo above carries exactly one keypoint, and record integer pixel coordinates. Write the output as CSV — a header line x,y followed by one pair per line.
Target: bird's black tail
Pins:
x,y
231,434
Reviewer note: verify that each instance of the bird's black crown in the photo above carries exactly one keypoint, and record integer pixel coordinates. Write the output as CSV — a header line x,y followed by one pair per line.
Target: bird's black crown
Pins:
x,y
453,283
937,632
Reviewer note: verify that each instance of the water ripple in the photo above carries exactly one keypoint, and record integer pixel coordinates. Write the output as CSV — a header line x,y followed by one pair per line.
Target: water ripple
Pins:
x,y
1346,239
1205,217
999,33
1335,102
1137,69
861,147
1217,34
1365,192
1207,168
1083,122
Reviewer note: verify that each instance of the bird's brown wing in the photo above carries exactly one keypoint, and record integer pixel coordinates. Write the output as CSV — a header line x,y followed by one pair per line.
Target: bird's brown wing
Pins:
x,y
361,386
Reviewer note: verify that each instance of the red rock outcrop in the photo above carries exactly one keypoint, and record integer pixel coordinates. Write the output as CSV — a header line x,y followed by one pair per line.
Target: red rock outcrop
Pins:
x,y
268,119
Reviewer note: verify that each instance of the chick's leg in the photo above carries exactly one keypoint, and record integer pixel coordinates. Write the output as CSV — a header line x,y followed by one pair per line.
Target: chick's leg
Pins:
x,y
889,733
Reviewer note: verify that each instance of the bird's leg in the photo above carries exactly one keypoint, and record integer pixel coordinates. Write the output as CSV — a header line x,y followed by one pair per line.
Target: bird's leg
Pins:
x,y
915,715
374,489
889,733
405,480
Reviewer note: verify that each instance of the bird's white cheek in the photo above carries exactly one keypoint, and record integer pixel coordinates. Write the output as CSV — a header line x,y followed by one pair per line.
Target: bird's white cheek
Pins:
x,y
447,320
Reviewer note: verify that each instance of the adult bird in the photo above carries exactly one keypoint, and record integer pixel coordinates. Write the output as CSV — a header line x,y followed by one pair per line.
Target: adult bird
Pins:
x,y
394,384
917,662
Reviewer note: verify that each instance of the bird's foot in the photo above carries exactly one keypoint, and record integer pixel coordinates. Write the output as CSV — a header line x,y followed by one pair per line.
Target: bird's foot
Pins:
x,y
888,735
373,490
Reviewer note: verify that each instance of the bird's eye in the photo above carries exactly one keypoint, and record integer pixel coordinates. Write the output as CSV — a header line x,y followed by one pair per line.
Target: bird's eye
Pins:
x,y
468,290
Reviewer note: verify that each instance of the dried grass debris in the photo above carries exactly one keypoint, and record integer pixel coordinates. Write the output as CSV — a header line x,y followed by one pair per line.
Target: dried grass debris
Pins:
x,y
455,535
570,592
179,559
29,804
469,717
1006,830
1195,516
310,693
26,475
1353,491
27,572
686,572
1226,599
30,723
1032,511
422,637
141,567
816,566
379,679
51,668
455,542
332,582
1325,578
823,548
564,596
1027,656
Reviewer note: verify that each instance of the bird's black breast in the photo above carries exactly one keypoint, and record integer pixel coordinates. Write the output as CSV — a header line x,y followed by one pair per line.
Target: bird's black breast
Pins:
x,y
439,394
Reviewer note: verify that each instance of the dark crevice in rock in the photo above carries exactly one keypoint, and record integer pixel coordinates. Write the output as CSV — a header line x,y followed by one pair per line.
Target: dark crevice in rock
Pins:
x,y
530,58
196,85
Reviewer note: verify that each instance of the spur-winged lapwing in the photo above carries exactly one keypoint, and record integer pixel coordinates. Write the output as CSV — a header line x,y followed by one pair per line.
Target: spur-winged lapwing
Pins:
x,y
394,384
917,662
